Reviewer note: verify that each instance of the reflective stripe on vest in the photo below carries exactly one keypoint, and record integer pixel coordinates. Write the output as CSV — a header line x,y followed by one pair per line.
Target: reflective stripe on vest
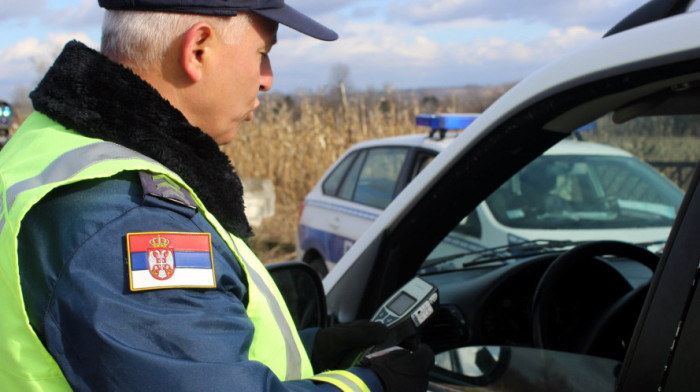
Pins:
x,y
344,380
293,356
31,367
69,165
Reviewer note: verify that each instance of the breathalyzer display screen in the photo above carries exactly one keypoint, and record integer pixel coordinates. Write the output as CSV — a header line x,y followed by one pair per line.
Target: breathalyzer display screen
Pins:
x,y
401,303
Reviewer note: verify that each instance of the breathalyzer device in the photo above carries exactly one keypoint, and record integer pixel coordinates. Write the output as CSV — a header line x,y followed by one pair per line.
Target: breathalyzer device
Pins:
x,y
413,301
404,312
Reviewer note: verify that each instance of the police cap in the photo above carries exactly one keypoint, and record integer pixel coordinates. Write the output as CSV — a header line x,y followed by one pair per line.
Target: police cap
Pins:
x,y
275,10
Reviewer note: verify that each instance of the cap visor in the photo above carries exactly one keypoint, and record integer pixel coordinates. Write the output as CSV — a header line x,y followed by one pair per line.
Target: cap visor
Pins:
x,y
290,17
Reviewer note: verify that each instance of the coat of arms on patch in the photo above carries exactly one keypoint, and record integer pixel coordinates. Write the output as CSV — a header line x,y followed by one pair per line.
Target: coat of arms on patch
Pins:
x,y
161,262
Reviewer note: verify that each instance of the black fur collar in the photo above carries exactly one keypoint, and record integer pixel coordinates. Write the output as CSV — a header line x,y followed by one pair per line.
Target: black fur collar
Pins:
x,y
87,92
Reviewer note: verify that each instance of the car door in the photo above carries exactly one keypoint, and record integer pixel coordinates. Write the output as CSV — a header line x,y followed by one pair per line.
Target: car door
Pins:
x,y
540,111
663,352
355,193
655,74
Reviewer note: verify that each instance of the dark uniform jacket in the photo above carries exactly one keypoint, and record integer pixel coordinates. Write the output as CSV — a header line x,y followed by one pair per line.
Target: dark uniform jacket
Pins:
x,y
73,257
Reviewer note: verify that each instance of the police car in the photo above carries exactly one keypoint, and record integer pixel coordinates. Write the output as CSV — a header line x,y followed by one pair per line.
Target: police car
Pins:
x,y
357,187
575,191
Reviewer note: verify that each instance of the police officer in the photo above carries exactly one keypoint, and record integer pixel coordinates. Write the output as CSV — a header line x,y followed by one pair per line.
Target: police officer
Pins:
x,y
122,236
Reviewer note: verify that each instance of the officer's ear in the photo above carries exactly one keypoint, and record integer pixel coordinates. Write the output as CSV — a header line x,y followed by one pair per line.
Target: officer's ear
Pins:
x,y
196,47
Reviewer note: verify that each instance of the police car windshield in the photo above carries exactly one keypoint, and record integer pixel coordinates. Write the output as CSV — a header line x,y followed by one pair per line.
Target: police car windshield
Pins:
x,y
585,191
574,193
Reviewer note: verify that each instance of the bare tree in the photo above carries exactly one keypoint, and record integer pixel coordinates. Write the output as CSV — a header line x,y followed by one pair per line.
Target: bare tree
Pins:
x,y
339,84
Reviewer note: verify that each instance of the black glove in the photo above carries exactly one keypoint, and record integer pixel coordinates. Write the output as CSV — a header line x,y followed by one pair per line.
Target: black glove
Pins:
x,y
401,370
335,346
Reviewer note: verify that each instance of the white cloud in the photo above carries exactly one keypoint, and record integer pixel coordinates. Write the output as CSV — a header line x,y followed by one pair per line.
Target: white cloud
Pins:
x,y
472,23
29,58
600,14
315,7
401,42
572,37
21,50
389,45
20,9
497,49
439,10
84,14
382,54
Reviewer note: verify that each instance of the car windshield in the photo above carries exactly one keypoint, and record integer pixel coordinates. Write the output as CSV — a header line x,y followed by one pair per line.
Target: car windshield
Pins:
x,y
585,191
599,185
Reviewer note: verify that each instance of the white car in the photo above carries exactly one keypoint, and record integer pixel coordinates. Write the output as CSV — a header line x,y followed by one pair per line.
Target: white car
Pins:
x,y
577,191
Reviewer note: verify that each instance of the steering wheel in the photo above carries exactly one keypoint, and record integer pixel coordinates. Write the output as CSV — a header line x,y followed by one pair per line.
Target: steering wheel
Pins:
x,y
619,315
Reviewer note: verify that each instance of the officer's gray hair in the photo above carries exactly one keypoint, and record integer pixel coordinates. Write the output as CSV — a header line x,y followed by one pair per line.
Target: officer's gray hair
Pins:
x,y
141,39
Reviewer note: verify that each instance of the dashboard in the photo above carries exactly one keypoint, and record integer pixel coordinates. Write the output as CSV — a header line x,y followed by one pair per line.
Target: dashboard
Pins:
x,y
511,305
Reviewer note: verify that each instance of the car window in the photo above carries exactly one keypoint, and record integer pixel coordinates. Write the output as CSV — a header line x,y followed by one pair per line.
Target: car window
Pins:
x,y
347,188
470,225
330,186
377,179
577,191
422,160
371,176
585,191
512,368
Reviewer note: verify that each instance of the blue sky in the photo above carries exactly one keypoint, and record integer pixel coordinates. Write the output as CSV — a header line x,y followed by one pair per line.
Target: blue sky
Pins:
x,y
397,43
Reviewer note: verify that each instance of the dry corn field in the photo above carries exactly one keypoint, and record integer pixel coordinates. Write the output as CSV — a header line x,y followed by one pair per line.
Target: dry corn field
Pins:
x,y
294,143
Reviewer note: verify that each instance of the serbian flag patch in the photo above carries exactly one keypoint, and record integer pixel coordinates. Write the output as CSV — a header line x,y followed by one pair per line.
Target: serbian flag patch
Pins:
x,y
170,260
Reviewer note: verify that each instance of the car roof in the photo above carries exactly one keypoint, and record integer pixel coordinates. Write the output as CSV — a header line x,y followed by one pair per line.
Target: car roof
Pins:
x,y
413,140
576,147
564,147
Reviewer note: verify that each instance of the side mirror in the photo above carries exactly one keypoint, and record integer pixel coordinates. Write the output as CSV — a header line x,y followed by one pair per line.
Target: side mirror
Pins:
x,y
302,290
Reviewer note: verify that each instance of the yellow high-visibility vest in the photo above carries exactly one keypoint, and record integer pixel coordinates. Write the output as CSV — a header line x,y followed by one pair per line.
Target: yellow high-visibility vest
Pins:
x,y
60,156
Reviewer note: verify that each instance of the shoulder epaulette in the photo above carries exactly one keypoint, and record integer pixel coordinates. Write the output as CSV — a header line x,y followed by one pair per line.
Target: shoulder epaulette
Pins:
x,y
163,188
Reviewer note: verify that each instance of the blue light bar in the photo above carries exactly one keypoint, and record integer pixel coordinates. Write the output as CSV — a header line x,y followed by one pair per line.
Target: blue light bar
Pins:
x,y
445,121
6,111
588,127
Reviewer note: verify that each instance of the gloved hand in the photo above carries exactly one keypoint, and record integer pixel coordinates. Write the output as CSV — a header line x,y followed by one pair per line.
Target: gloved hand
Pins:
x,y
402,370
336,344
